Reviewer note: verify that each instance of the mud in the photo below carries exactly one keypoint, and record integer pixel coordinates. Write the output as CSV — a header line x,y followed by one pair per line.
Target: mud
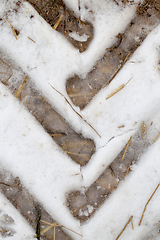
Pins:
x,y
81,91
80,149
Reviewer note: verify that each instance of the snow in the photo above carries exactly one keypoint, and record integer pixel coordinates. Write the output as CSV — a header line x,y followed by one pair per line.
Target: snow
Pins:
x,y
28,152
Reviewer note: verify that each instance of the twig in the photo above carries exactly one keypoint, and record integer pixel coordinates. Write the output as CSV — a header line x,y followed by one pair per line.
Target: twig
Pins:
x,y
14,32
124,228
117,89
76,111
148,203
126,148
21,87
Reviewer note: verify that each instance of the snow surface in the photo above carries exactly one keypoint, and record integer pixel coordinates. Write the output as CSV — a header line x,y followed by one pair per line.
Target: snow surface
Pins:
x,y
28,152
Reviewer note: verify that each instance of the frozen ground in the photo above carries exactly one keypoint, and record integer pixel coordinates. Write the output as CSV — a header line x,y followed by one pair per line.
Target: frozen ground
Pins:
x,y
28,152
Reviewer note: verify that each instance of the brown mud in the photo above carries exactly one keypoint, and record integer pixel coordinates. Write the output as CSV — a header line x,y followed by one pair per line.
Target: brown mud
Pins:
x,y
84,205
80,149
81,91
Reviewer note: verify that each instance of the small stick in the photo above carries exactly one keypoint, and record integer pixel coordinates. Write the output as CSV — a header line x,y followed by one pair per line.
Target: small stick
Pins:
x,y
57,23
124,228
21,87
156,137
117,89
126,148
31,39
76,111
14,32
148,203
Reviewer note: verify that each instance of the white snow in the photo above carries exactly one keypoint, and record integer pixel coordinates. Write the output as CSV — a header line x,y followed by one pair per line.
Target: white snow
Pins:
x,y
28,152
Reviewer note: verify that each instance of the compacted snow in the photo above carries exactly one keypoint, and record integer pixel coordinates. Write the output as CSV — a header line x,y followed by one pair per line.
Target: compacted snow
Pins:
x,y
27,151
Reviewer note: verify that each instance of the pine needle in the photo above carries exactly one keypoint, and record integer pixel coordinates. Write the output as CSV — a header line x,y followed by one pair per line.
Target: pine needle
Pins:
x,y
126,148
12,28
117,90
21,87
147,204
124,228
75,110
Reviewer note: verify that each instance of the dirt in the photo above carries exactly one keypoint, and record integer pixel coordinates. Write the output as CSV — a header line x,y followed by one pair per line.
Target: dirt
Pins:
x,y
64,21
80,149
81,91
84,204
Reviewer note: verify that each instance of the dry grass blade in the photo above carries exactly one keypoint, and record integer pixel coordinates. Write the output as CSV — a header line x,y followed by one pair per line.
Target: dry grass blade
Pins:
x,y
132,223
58,22
31,39
76,111
124,228
147,204
14,32
128,167
56,225
21,87
126,148
156,137
117,90
144,129
107,61
76,154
